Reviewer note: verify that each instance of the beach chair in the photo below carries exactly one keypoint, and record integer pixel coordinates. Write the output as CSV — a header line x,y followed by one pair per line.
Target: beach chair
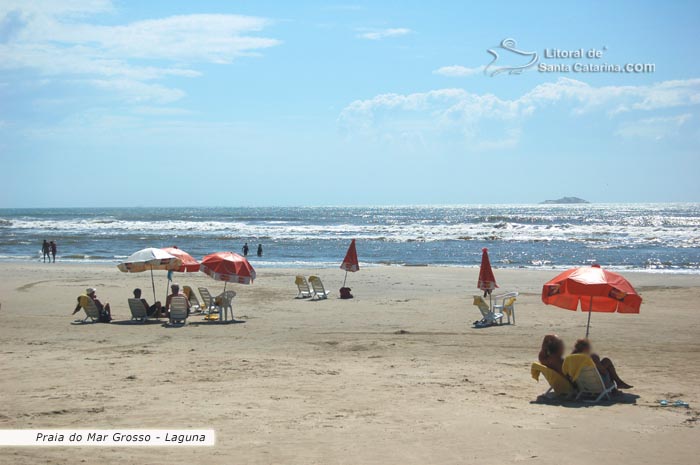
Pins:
x,y
194,301
207,299
317,288
178,310
138,310
226,305
557,382
91,311
303,286
507,305
489,318
581,370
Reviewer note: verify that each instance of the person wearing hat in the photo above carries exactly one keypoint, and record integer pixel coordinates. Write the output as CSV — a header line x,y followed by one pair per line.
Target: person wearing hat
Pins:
x,y
105,311
175,292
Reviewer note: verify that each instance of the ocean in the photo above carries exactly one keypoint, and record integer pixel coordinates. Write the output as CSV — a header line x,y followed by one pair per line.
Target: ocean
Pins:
x,y
659,237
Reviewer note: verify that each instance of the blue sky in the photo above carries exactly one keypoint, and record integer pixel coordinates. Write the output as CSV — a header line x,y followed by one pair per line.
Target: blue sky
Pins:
x,y
125,103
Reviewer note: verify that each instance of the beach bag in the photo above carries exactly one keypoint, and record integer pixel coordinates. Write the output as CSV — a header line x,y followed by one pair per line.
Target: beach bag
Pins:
x,y
345,293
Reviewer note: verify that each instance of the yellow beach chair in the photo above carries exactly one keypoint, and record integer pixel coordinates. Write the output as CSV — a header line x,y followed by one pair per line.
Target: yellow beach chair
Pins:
x,y
581,369
192,297
557,382
489,318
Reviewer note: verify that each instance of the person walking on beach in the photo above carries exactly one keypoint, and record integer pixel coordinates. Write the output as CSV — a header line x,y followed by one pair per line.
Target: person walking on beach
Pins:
x,y
245,249
53,247
46,249
259,250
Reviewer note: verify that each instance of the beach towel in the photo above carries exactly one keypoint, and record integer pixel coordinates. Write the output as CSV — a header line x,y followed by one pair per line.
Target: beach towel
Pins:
x,y
574,363
557,381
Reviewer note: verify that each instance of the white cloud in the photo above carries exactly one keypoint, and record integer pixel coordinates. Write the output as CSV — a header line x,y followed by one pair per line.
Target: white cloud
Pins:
x,y
655,128
139,92
473,115
56,39
458,71
384,33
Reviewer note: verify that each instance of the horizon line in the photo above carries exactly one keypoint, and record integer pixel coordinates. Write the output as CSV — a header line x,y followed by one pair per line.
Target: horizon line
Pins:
x,y
386,205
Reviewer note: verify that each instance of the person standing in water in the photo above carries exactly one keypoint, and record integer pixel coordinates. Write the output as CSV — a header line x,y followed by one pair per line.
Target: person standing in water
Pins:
x,y
46,250
53,247
245,249
259,250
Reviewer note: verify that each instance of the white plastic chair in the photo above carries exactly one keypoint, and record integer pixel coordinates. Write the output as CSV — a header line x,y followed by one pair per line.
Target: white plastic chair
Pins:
x,y
178,310
226,305
207,299
507,305
303,286
138,310
317,288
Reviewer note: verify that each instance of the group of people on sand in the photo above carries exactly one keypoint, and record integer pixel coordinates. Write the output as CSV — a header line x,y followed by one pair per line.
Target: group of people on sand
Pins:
x,y
48,250
156,310
552,356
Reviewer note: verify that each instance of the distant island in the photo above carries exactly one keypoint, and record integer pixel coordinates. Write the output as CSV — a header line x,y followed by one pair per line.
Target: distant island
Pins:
x,y
564,200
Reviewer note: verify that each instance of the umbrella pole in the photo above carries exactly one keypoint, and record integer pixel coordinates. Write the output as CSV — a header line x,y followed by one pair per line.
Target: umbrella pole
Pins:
x,y
590,310
346,277
153,285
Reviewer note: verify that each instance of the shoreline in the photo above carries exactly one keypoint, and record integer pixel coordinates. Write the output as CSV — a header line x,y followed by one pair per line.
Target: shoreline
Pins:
x,y
365,265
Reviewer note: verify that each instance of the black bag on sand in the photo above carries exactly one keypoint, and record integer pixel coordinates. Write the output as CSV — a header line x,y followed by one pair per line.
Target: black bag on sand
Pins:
x,y
345,293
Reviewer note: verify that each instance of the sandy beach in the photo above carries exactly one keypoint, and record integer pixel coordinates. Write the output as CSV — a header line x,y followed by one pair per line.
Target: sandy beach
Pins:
x,y
395,376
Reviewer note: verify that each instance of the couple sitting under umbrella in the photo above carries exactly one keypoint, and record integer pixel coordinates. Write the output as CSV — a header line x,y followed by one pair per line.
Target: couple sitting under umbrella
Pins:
x,y
552,356
157,308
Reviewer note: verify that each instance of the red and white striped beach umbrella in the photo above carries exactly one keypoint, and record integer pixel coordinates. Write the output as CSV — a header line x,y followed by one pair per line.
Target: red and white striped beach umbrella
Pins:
x,y
228,267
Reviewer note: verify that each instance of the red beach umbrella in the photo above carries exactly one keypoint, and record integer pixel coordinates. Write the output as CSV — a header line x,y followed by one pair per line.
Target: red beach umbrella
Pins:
x,y
350,262
487,281
596,289
228,267
189,264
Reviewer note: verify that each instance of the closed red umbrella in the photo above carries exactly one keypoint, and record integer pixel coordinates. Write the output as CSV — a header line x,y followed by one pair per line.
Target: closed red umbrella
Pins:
x,y
487,281
228,267
595,289
350,262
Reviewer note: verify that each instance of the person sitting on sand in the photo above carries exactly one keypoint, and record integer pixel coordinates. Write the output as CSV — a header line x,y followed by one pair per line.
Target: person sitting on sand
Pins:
x,y
552,352
105,311
175,292
605,367
151,310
